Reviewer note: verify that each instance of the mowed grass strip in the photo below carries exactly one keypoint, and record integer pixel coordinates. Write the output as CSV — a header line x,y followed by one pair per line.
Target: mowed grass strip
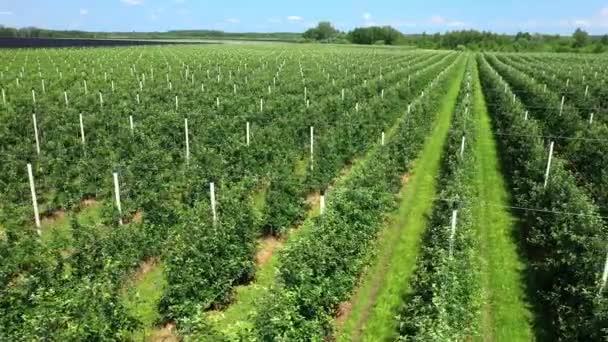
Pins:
x,y
506,314
376,302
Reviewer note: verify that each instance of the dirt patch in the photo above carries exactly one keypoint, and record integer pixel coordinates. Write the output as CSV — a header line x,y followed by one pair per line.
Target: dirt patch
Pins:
x,y
49,219
406,178
145,268
165,334
268,246
88,202
138,217
343,312
313,199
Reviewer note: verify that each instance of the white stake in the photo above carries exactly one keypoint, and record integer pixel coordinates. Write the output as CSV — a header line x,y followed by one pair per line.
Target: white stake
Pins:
x,y
3,97
212,193
187,141
176,103
462,146
382,138
247,129
321,204
30,175
36,134
453,232
117,197
217,102
526,116
34,96
357,107
86,90
81,129
312,147
382,94
112,85
261,105
342,94
561,107
586,91
138,100
604,277
43,87
101,99
65,98
591,118
549,164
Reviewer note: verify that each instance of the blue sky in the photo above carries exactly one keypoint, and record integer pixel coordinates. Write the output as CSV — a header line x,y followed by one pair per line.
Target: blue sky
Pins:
x,y
547,16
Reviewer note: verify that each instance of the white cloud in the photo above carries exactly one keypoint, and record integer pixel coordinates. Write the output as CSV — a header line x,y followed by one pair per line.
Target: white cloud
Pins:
x,y
442,21
294,18
132,2
437,20
233,20
404,24
367,17
6,13
457,24
598,20
84,11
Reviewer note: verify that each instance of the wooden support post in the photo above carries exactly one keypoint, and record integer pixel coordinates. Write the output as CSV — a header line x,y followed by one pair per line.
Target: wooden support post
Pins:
x,y
36,134
117,197
549,164
30,175
212,194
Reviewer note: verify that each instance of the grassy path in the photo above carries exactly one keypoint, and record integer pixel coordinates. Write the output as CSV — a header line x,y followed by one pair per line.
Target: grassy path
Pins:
x,y
377,299
506,315
235,317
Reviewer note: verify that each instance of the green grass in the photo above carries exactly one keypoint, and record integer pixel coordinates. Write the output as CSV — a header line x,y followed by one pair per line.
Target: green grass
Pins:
x,y
236,317
506,314
142,300
301,167
59,227
377,299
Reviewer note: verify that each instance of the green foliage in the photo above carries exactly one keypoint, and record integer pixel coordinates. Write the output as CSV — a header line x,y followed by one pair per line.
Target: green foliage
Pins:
x,y
375,35
444,301
580,37
566,252
324,32
320,268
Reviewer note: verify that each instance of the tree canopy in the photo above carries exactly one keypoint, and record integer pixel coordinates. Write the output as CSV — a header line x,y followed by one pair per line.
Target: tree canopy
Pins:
x,y
324,31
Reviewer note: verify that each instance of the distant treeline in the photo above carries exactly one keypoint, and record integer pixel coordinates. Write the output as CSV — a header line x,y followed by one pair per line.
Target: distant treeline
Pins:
x,y
33,32
580,41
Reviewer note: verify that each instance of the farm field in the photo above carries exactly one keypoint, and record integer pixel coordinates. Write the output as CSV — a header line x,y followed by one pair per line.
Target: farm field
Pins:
x,y
277,192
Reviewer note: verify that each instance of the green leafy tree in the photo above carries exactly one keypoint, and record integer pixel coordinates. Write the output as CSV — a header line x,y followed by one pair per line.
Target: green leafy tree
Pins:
x,y
581,38
323,31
